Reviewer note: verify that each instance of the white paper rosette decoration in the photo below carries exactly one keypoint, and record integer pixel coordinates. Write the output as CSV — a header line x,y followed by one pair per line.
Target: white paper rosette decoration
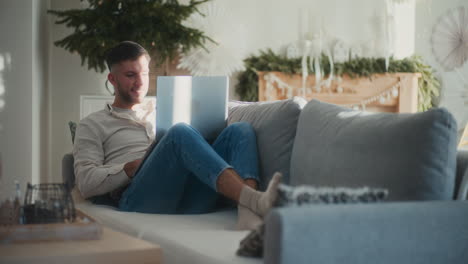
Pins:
x,y
454,95
223,57
449,39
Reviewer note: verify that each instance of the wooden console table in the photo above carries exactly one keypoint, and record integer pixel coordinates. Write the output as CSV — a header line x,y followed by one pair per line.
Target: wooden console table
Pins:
x,y
391,92
114,248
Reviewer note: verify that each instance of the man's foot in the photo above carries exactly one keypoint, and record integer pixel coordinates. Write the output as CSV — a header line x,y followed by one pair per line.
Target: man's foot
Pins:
x,y
246,219
261,202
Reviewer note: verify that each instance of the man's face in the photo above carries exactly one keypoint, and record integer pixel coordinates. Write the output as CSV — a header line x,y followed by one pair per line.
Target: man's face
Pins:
x,y
130,80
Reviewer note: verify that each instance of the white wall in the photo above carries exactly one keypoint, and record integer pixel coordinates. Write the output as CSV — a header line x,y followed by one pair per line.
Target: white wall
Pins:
x,y
276,24
41,95
68,81
23,80
454,91
404,29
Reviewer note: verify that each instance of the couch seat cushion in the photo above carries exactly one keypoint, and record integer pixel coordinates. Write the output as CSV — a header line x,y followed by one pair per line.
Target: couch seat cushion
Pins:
x,y
203,238
411,155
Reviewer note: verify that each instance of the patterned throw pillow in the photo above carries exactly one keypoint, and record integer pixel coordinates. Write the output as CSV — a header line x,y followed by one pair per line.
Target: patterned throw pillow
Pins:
x,y
252,244
306,195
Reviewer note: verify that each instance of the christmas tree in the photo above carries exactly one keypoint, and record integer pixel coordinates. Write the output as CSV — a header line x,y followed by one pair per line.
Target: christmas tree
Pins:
x,y
155,24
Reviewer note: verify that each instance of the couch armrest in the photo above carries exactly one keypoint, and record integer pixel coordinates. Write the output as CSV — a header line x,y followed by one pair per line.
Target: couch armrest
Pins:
x,y
463,190
461,180
68,171
403,232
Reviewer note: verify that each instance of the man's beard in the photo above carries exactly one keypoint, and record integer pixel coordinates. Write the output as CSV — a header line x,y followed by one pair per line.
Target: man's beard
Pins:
x,y
126,97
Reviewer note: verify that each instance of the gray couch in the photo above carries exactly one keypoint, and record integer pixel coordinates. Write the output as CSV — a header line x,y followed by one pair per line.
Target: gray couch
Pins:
x,y
414,156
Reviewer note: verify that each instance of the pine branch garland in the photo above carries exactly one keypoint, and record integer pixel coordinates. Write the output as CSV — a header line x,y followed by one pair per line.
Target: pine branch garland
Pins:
x,y
429,86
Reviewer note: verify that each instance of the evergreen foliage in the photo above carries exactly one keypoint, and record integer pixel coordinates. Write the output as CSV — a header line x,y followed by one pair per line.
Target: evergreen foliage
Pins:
x,y
154,24
247,88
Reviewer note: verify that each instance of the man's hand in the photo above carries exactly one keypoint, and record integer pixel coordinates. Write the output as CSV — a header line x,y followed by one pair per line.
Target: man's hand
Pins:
x,y
131,167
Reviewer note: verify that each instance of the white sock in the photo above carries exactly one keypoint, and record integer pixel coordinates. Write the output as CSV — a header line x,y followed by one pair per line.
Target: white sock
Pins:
x,y
260,202
246,219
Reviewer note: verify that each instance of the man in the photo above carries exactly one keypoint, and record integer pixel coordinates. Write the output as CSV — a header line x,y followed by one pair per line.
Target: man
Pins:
x,y
183,174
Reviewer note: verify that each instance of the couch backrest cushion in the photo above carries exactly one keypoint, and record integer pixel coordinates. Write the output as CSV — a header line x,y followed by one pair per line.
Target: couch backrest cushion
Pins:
x,y
411,155
275,126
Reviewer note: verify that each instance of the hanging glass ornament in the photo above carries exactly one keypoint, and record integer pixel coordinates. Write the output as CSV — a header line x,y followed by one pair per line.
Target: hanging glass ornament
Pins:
x,y
305,71
292,51
315,54
340,52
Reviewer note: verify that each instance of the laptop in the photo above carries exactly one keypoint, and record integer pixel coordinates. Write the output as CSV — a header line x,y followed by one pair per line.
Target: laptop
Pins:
x,y
201,102
198,101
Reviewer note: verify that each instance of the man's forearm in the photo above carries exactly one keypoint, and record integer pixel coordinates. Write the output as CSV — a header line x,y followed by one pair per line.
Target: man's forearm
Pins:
x,y
92,181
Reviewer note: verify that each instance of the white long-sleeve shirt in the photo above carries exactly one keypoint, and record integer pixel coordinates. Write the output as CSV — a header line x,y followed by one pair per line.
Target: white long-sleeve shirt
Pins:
x,y
105,141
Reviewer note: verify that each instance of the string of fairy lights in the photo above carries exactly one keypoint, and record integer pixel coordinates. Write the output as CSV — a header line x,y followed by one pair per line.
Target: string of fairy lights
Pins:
x,y
287,90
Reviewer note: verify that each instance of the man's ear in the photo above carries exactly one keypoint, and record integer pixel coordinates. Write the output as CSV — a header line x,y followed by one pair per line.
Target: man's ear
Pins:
x,y
111,78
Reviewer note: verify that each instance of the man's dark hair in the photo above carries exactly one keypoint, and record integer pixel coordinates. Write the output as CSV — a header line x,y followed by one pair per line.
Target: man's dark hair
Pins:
x,y
125,50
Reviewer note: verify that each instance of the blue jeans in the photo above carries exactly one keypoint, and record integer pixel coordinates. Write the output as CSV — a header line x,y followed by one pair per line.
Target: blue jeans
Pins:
x,y
180,175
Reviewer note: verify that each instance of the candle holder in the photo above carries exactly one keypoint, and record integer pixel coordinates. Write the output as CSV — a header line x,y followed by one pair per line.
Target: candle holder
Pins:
x,y
48,203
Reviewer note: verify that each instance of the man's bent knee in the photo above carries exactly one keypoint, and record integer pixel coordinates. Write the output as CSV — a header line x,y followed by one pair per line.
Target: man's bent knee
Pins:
x,y
242,128
182,131
180,128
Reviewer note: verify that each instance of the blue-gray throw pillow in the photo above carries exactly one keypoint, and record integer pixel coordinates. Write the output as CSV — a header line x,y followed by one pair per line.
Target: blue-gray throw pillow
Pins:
x,y
275,127
411,155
